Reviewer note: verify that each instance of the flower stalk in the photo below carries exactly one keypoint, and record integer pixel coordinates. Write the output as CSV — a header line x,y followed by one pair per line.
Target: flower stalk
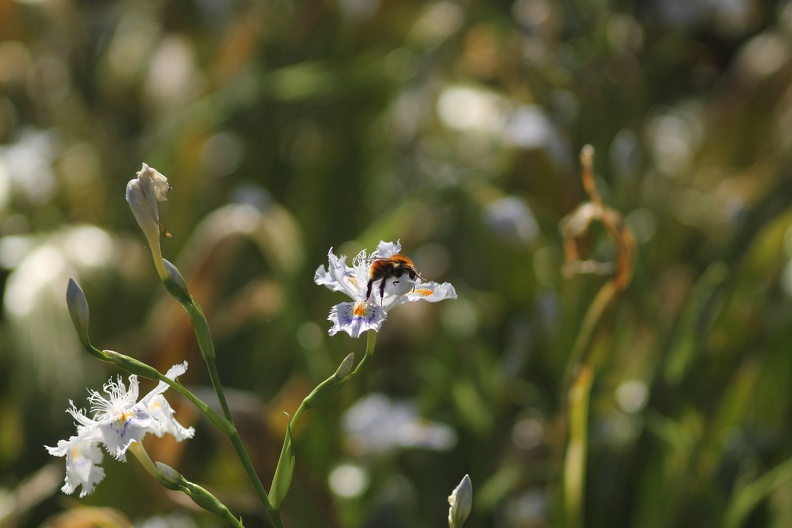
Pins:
x,y
137,449
143,193
334,383
371,342
178,290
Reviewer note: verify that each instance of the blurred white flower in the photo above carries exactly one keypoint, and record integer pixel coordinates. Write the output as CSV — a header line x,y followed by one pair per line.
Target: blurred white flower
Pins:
x,y
529,128
118,421
472,109
368,311
26,167
40,266
437,22
377,425
172,520
511,219
173,78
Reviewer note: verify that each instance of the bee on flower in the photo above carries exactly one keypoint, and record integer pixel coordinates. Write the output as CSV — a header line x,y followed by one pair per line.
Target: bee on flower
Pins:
x,y
117,421
377,283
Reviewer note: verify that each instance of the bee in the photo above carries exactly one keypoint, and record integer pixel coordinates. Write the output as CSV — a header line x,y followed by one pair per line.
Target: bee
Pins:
x,y
382,269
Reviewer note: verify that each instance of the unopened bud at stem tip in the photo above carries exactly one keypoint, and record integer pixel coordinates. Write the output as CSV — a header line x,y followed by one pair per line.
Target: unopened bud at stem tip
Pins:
x,y
143,193
346,366
461,501
78,310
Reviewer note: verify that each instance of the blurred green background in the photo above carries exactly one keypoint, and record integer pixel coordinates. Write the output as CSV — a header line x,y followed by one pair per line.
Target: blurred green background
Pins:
x,y
289,127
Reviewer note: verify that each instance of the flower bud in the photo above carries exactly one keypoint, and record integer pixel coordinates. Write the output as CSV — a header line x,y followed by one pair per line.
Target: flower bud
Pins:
x,y
142,194
345,368
461,501
175,284
169,477
207,501
332,384
78,310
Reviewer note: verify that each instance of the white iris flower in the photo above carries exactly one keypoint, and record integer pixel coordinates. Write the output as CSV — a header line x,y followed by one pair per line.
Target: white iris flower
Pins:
x,y
118,421
368,313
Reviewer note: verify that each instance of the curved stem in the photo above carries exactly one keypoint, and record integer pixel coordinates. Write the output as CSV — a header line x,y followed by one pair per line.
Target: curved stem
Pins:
x,y
371,342
297,414
177,482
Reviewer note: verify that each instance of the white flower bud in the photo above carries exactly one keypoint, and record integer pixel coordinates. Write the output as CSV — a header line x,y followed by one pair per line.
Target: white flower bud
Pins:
x,y
345,368
78,310
142,194
461,501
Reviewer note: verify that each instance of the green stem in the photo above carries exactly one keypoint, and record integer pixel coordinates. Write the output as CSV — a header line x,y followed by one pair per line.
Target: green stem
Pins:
x,y
205,343
605,296
137,449
274,515
284,472
199,495
137,367
204,336
575,460
297,414
221,423
371,342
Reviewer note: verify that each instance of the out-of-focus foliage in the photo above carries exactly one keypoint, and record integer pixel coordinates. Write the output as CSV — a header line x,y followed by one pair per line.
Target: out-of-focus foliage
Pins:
x,y
287,127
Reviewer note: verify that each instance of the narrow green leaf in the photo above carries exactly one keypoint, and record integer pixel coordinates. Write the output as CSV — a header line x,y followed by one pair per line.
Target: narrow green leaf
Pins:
x,y
750,496
693,323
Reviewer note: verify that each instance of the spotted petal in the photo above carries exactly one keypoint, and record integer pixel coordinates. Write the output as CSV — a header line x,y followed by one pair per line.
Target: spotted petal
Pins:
x,y
356,318
130,426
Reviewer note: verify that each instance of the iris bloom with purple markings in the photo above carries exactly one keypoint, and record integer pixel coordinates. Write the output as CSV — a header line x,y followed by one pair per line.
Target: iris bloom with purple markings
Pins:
x,y
117,421
368,312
